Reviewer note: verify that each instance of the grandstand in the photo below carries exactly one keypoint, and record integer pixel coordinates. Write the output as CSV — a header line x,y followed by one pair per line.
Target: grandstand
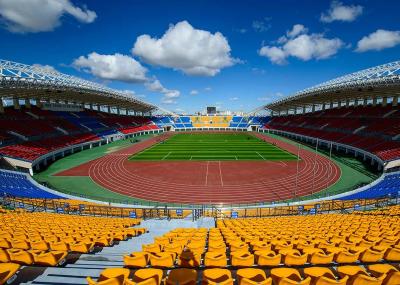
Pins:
x,y
306,194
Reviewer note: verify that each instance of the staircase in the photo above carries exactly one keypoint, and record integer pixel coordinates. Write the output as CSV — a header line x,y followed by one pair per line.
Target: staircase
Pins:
x,y
108,257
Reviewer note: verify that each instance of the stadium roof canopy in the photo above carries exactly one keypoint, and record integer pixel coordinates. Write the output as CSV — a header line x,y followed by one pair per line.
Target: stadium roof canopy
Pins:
x,y
376,82
31,82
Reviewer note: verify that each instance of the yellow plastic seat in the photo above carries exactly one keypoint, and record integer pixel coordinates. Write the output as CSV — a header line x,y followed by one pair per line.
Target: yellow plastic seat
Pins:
x,y
215,259
317,256
82,247
392,254
39,245
148,276
4,256
162,259
295,258
347,257
20,244
372,255
182,276
217,247
103,241
151,248
261,245
52,258
4,243
216,276
136,260
8,272
110,276
161,240
323,276
288,276
252,276
21,256
267,258
392,273
173,247
59,246
189,259
358,275
238,246
242,259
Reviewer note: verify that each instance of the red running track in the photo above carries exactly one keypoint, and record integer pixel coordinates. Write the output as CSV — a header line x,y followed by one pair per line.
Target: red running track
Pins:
x,y
210,181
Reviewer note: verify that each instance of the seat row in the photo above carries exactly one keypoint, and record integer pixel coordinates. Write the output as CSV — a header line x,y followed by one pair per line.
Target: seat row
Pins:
x,y
289,257
45,239
377,274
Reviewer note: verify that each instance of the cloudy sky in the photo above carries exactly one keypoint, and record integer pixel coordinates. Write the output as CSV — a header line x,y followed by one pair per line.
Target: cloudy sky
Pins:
x,y
185,55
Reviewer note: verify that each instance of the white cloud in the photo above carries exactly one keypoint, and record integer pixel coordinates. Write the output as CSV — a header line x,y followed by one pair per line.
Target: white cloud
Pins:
x,y
46,67
155,86
302,46
208,89
194,92
170,95
182,47
296,30
112,67
311,46
233,98
340,12
378,40
275,54
32,16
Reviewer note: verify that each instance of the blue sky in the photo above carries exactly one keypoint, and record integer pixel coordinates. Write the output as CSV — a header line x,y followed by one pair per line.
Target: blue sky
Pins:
x,y
185,55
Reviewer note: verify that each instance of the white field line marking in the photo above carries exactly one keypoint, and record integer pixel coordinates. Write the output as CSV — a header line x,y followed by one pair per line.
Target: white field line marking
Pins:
x,y
166,156
220,173
207,173
260,155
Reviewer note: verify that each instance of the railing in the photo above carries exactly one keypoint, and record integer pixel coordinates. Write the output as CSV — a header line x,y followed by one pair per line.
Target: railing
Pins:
x,y
80,208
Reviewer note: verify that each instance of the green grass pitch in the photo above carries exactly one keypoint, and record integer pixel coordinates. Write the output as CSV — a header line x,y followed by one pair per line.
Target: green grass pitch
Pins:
x,y
214,146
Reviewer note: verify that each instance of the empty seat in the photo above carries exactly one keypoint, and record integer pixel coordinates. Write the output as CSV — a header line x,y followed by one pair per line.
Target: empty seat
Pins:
x,y
21,256
285,276
267,258
110,276
242,259
294,258
151,247
217,276
8,272
215,259
136,259
252,276
52,258
391,273
358,276
318,256
148,276
392,254
323,276
162,259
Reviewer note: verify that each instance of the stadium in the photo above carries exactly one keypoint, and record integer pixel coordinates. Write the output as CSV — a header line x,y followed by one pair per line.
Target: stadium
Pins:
x,y
99,186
